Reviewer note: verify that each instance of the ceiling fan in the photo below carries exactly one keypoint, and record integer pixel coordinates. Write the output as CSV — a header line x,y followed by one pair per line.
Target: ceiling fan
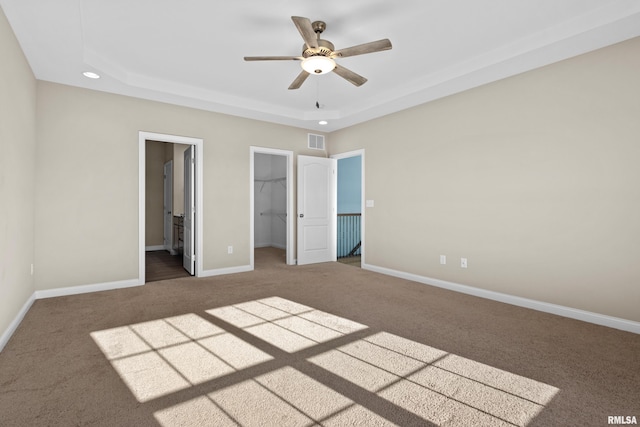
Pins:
x,y
318,55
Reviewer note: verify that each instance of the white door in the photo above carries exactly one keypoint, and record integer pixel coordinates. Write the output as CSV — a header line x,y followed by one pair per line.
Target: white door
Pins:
x,y
189,255
317,200
168,206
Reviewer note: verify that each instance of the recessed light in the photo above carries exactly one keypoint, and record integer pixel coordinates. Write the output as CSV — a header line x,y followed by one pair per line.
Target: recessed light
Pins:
x,y
91,75
323,122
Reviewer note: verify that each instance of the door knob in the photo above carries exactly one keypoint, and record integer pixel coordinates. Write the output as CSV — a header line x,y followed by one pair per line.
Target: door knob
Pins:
x,y
301,215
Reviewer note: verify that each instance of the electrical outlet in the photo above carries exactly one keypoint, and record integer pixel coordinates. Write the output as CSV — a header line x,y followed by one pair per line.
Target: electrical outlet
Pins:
x,y
229,250
443,259
463,262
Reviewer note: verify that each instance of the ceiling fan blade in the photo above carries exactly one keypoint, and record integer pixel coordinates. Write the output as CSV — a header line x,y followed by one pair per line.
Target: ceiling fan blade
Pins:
x,y
349,75
306,31
299,80
273,58
361,49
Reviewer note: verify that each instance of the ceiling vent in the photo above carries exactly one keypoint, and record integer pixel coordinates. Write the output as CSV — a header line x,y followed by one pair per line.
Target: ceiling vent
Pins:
x,y
315,142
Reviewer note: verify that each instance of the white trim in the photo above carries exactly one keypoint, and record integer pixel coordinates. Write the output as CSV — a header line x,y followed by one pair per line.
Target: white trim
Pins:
x,y
6,335
142,167
346,155
59,292
155,248
85,289
198,143
586,316
560,310
227,270
290,215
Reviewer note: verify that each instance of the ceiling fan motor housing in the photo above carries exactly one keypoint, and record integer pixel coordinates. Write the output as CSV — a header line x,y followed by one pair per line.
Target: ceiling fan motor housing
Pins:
x,y
325,48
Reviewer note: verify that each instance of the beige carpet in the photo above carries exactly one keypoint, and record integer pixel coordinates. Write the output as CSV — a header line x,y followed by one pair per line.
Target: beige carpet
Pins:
x,y
324,344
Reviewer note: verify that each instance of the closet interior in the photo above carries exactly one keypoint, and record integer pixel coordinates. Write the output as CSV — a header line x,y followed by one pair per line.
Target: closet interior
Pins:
x,y
270,203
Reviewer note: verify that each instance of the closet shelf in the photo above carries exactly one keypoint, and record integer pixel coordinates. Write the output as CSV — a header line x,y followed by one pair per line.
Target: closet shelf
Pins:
x,y
282,181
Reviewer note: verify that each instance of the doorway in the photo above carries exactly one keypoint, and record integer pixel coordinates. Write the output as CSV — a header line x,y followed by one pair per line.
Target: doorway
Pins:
x,y
271,204
165,213
162,216
350,233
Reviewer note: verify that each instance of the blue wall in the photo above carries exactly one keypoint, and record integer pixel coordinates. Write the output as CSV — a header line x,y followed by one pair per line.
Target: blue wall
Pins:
x,y
349,184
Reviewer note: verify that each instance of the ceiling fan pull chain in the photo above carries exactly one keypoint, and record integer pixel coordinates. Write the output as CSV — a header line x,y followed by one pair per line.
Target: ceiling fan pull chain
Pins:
x,y
318,94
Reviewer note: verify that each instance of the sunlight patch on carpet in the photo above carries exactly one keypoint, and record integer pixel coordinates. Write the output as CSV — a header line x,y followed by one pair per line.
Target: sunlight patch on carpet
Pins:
x,y
164,356
148,376
237,353
371,378
195,327
285,324
439,387
200,411
284,397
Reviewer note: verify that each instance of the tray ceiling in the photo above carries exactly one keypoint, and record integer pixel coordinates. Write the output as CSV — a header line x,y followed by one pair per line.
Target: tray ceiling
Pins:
x,y
191,52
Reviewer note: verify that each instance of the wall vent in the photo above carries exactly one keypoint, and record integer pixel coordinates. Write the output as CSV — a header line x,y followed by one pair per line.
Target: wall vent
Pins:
x,y
315,142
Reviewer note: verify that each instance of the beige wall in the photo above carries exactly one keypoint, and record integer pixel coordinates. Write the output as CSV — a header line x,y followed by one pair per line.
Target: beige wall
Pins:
x,y
535,179
17,162
154,192
88,146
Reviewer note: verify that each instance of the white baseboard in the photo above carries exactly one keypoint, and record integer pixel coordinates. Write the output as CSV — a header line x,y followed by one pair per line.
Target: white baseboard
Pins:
x,y
560,310
59,292
83,289
227,270
154,248
586,316
6,335
98,287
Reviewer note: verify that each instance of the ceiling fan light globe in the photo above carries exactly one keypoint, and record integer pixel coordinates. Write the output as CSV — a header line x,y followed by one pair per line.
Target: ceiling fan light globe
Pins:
x,y
318,65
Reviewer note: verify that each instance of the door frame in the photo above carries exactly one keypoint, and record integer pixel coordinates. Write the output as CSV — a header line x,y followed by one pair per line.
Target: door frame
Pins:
x,y
198,143
253,150
346,155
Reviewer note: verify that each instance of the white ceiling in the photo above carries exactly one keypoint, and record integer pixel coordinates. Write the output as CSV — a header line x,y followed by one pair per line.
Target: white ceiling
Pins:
x,y
190,52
